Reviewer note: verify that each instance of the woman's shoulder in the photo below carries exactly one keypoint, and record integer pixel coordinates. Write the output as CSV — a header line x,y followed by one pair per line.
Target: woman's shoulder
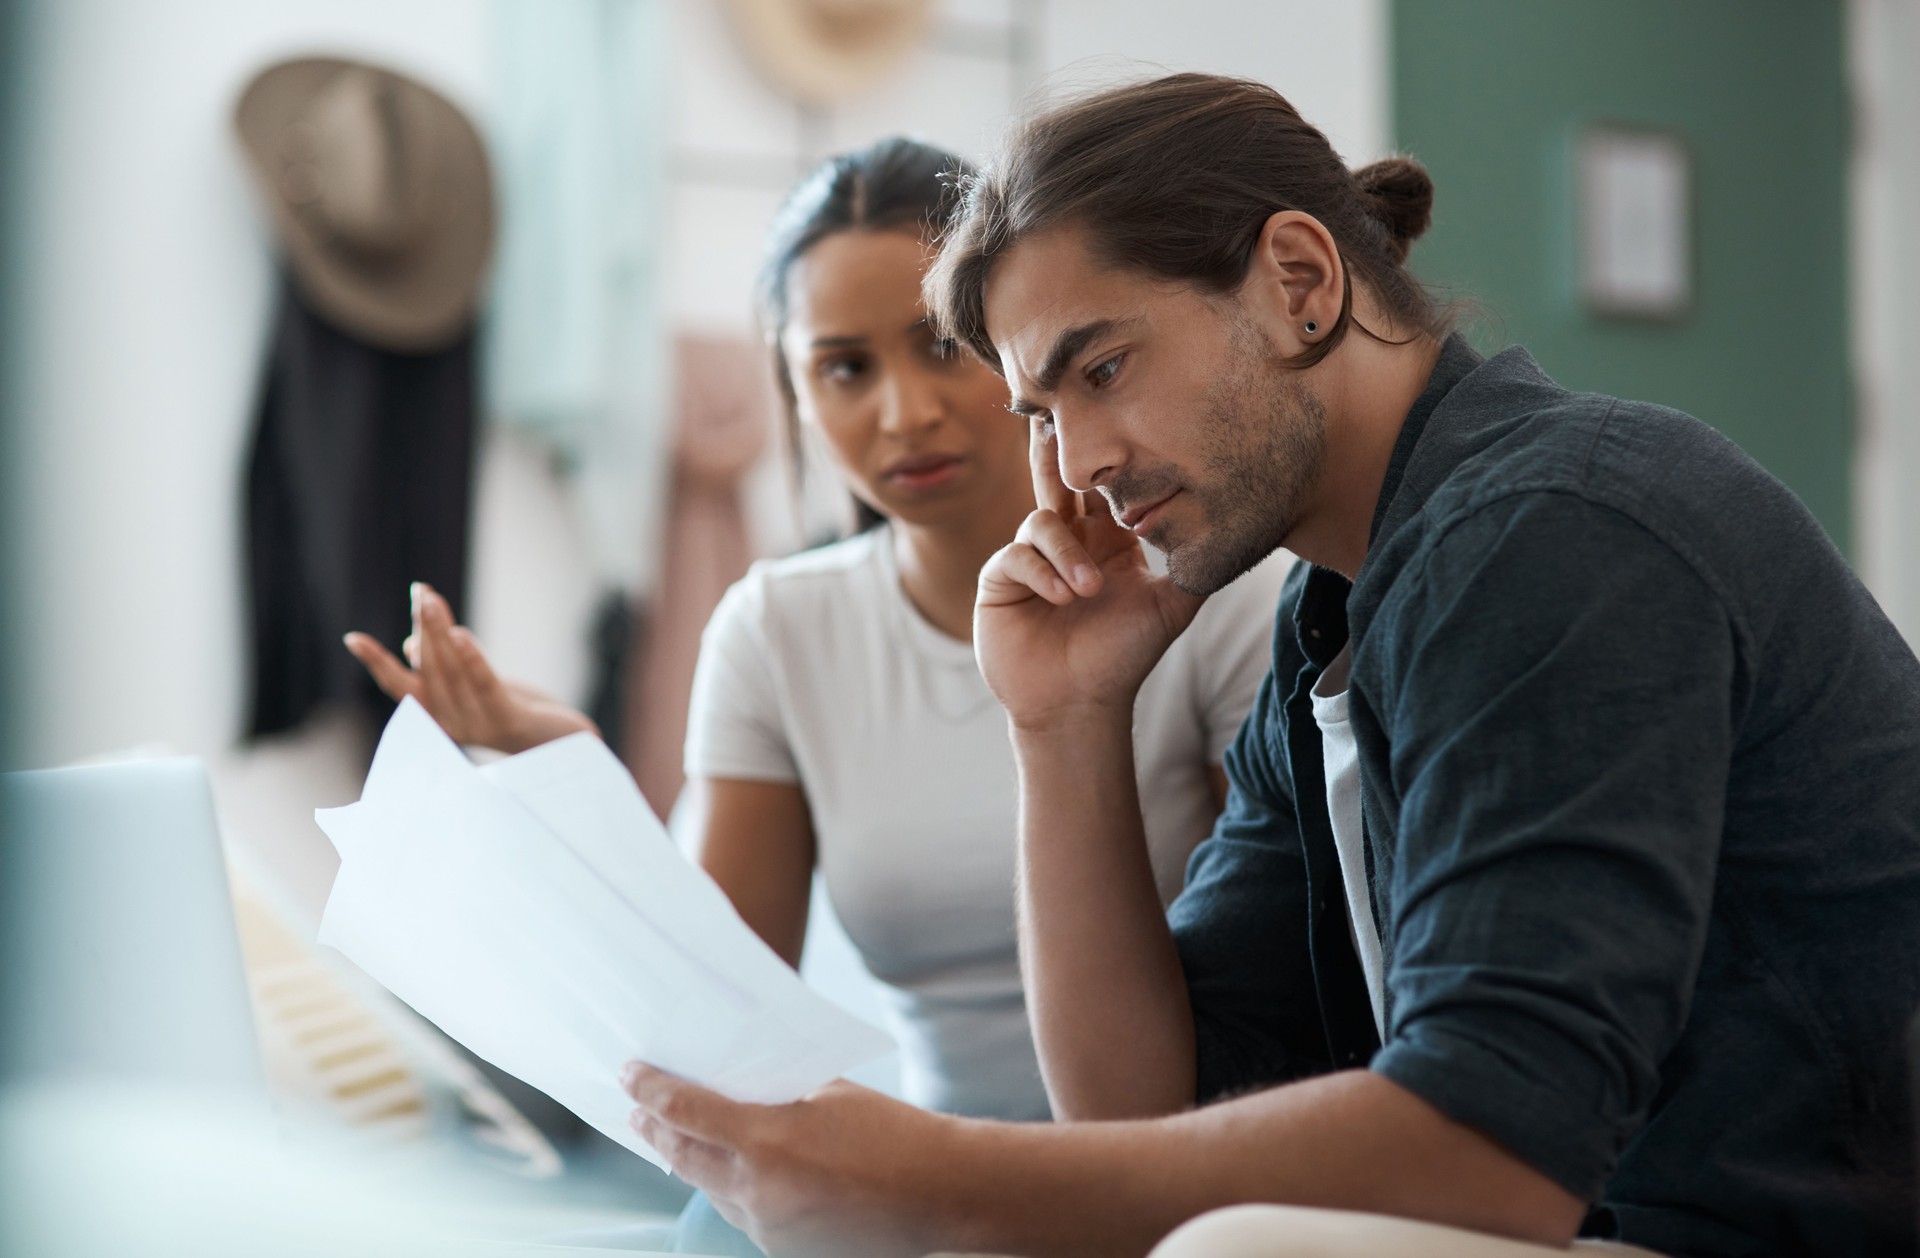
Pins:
x,y
825,584
1245,608
1215,667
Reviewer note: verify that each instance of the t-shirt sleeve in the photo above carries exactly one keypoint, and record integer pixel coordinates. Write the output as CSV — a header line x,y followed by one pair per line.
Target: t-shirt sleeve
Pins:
x,y
1555,683
734,724
1233,650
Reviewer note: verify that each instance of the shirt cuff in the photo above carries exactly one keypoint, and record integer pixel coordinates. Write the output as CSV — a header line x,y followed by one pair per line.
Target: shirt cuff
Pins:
x,y
1542,1124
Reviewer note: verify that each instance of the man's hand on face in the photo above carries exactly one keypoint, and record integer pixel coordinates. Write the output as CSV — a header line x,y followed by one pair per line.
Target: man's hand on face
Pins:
x,y
843,1171
1069,619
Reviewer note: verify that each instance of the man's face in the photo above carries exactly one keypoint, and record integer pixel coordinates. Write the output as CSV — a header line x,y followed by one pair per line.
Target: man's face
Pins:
x,y
1169,402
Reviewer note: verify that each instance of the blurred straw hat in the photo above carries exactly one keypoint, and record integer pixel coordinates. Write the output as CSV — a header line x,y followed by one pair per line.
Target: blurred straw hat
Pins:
x,y
819,51
380,194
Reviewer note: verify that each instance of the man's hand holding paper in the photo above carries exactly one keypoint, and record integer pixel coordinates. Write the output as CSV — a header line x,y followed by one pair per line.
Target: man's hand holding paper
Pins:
x,y
536,910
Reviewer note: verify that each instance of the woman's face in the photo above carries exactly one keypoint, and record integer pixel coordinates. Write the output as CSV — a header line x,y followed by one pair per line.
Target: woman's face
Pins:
x,y
919,428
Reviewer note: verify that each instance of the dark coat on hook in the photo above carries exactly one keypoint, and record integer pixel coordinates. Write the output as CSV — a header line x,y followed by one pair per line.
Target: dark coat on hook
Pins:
x,y
359,482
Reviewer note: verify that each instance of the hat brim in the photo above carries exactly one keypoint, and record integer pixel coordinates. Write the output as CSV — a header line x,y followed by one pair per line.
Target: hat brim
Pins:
x,y
424,297
793,56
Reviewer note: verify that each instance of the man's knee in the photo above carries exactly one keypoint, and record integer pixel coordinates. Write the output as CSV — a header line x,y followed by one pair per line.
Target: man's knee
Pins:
x,y
1264,1232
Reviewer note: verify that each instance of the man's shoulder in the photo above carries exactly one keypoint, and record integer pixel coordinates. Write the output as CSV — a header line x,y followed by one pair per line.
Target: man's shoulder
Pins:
x,y
1508,429
1508,444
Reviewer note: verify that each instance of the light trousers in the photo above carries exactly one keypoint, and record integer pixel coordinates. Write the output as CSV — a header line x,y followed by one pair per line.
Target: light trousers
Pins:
x,y
1302,1232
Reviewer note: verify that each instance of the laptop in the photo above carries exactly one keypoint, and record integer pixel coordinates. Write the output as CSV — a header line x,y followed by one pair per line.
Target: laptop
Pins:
x,y
118,954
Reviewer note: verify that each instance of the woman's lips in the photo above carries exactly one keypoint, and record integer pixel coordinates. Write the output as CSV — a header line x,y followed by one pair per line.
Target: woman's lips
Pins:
x,y
924,471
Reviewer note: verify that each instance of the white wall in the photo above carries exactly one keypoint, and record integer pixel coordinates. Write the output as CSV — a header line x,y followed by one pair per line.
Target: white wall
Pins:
x,y
150,284
148,300
738,145
1884,46
148,291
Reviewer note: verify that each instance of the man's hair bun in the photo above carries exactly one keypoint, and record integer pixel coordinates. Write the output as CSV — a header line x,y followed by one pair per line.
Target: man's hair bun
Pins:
x,y
1400,193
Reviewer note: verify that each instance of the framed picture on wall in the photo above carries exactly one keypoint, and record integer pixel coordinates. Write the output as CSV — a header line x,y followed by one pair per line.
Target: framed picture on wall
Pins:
x,y
1634,200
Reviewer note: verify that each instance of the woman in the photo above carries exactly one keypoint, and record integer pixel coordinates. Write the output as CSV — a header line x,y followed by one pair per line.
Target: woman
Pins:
x,y
838,719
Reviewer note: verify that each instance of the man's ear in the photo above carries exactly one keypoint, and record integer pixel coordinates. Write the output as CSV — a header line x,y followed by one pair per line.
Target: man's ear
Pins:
x,y
1296,281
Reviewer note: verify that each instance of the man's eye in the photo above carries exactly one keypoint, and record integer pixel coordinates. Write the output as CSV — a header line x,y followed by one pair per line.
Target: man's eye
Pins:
x,y
1102,372
1046,427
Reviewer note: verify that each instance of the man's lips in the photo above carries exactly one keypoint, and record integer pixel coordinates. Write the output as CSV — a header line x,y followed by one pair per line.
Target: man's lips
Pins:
x,y
1136,518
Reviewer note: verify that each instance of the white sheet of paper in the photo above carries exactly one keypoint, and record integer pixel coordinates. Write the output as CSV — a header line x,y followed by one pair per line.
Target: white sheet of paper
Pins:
x,y
537,912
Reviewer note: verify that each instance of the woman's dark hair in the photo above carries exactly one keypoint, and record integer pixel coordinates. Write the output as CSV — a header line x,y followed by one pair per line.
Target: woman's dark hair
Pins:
x,y
895,184
1176,177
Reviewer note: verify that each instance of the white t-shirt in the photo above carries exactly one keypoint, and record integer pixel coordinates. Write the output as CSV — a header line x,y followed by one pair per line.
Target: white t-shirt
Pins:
x,y
818,670
1340,755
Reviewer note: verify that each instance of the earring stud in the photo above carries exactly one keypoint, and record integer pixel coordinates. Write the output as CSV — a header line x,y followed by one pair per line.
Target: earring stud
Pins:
x,y
1312,328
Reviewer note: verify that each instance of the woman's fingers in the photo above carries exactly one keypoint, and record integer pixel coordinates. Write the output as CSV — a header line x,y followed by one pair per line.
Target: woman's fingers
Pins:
x,y
394,678
473,663
446,664
1050,493
427,655
447,693
494,702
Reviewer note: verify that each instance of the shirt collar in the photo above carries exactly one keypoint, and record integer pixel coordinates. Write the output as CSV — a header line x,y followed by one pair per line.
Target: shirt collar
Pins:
x,y
1320,615
1457,358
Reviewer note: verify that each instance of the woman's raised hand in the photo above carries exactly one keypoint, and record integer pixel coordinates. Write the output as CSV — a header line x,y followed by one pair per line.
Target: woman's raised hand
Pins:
x,y
1069,619
451,678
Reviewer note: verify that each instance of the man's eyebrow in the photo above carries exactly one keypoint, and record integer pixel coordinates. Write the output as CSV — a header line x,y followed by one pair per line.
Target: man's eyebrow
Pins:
x,y
1068,346
837,342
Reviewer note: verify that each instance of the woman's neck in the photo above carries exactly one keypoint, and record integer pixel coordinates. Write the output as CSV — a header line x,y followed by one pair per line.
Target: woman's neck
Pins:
x,y
940,565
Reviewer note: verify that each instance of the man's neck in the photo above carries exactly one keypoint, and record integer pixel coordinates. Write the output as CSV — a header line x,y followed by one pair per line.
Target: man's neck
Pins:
x,y
1367,399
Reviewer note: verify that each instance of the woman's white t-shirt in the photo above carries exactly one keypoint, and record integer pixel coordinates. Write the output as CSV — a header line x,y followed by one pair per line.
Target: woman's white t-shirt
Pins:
x,y
817,670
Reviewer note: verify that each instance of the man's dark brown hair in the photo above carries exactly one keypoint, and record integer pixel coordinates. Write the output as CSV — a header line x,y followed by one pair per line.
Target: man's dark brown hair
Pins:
x,y
1175,177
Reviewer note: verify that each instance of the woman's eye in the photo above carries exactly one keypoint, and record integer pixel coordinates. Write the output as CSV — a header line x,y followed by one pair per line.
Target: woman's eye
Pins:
x,y
841,370
1102,372
946,347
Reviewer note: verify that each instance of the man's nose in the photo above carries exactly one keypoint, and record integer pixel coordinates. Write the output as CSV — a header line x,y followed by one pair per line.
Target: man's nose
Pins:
x,y
1086,460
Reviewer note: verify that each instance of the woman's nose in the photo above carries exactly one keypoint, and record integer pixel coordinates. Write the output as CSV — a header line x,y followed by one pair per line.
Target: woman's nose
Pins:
x,y
911,402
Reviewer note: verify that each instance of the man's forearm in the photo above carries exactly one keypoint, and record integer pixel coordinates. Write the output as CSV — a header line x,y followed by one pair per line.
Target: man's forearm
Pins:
x,y
1352,1140
1108,1001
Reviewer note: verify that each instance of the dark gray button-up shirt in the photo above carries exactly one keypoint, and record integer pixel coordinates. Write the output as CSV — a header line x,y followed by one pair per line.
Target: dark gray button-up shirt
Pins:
x,y
1641,784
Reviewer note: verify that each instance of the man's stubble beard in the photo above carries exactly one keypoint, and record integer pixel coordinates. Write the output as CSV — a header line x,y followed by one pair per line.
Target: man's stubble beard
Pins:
x,y
1266,441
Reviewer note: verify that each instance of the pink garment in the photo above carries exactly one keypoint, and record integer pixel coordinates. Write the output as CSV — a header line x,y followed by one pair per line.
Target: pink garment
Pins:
x,y
723,411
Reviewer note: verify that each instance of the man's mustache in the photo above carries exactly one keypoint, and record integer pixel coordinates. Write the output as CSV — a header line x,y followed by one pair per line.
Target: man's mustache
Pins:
x,y
1130,488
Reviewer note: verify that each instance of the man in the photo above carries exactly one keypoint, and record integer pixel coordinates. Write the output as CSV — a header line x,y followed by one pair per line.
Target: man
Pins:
x,y
1570,878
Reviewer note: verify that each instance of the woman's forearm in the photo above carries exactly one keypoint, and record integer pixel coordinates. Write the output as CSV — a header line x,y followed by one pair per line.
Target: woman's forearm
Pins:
x,y
1107,998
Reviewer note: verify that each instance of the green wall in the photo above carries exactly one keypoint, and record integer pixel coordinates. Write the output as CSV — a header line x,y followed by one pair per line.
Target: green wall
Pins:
x,y
1489,95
